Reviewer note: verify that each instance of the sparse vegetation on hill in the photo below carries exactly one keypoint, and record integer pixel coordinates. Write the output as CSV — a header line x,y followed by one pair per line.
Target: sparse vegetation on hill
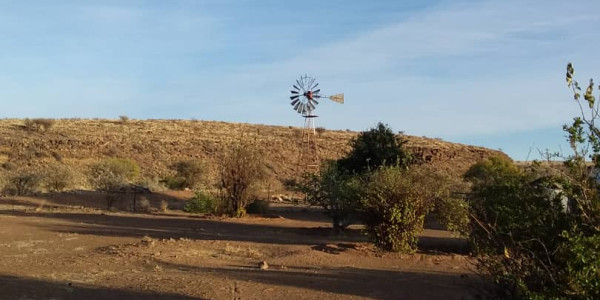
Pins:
x,y
158,144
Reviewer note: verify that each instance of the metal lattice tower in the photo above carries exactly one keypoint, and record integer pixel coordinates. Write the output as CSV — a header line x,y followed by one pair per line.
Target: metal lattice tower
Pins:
x,y
304,99
308,160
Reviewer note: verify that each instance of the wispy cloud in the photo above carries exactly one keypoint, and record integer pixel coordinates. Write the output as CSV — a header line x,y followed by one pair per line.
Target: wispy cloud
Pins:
x,y
454,70
448,70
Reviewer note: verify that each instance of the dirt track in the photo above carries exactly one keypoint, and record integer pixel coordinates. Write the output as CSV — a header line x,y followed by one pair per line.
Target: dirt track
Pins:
x,y
66,251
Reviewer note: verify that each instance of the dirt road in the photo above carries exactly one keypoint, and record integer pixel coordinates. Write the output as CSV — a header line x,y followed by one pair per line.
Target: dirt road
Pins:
x,y
76,252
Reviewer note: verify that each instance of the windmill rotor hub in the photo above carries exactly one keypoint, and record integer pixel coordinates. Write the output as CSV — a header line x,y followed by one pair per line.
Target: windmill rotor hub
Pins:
x,y
309,95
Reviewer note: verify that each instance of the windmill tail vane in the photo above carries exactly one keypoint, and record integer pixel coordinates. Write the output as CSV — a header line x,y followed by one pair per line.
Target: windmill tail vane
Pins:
x,y
339,98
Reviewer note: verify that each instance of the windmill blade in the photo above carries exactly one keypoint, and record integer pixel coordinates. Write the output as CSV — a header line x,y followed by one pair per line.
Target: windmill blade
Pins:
x,y
314,87
299,84
315,101
294,97
296,106
317,91
312,80
311,106
339,98
297,88
295,101
294,92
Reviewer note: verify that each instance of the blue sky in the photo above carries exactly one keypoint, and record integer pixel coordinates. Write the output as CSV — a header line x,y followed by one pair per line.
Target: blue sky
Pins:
x,y
488,73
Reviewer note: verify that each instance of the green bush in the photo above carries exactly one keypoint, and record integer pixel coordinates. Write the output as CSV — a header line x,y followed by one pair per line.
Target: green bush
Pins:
x,y
173,182
538,236
258,207
394,204
373,148
189,174
583,265
336,191
202,203
526,241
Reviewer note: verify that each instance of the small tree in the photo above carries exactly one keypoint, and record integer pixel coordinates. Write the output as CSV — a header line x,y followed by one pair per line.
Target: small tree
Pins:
x,y
373,148
242,168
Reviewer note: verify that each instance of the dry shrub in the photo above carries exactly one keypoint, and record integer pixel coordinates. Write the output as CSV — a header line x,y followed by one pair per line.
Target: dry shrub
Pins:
x,y
189,174
164,206
143,204
38,124
58,178
320,130
111,174
22,182
242,168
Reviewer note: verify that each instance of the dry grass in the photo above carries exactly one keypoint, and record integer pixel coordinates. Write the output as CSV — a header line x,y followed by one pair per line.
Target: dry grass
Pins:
x,y
156,144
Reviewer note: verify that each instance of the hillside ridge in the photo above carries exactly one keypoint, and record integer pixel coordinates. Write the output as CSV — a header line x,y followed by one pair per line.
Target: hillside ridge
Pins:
x,y
156,144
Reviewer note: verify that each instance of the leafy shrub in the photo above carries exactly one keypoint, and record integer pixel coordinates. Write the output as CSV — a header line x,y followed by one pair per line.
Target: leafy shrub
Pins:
x,y
127,169
58,177
123,119
242,168
394,203
189,174
173,182
202,203
538,236
521,231
373,148
452,212
583,265
258,207
111,174
22,182
335,191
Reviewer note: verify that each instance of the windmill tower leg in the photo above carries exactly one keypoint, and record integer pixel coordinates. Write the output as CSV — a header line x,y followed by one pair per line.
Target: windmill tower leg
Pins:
x,y
308,160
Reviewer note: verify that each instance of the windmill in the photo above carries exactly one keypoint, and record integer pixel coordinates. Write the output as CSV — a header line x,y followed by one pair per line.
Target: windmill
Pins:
x,y
304,100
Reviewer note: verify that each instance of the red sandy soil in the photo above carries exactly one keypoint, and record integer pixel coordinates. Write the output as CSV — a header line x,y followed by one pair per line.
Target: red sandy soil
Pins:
x,y
67,247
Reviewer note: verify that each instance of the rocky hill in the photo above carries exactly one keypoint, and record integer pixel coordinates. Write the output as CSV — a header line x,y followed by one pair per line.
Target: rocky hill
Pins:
x,y
155,144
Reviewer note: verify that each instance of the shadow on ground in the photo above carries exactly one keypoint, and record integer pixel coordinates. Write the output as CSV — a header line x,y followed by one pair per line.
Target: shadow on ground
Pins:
x,y
376,284
95,200
12,287
130,225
